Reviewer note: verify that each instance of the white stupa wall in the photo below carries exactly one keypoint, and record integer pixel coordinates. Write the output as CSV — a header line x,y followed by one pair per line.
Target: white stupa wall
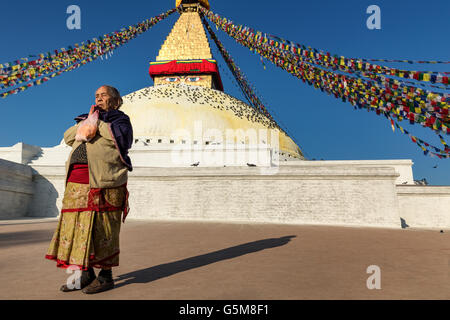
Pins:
x,y
294,194
289,194
424,206
354,193
166,155
20,153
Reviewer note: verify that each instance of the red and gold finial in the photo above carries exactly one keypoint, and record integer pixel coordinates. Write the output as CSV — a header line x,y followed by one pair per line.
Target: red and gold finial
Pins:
x,y
204,3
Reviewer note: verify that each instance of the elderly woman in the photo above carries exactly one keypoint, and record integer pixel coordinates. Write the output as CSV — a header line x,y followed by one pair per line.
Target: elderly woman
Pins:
x,y
96,198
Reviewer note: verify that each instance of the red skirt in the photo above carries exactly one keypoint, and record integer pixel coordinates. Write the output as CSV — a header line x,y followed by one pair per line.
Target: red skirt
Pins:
x,y
79,173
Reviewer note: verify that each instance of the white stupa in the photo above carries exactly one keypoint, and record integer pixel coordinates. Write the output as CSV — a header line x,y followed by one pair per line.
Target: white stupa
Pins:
x,y
200,154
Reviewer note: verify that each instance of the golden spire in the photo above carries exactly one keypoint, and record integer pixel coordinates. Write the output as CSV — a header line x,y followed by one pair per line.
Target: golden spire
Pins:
x,y
187,40
185,55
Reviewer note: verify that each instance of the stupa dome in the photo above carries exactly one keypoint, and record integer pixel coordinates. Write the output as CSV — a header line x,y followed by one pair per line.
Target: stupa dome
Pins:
x,y
161,113
187,104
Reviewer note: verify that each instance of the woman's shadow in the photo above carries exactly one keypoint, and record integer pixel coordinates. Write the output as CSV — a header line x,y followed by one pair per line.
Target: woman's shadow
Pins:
x,y
168,269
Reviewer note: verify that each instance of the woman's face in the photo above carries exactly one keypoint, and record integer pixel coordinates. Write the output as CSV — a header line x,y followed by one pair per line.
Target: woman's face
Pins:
x,y
103,99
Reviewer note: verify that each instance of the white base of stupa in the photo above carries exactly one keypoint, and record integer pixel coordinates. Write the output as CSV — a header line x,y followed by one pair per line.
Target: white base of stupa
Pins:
x,y
377,193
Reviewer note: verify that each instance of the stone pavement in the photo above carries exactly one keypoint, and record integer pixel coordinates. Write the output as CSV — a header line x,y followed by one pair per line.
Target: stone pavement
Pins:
x,y
207,260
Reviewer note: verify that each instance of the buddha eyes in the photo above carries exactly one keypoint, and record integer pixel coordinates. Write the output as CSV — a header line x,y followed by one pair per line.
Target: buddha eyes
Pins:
x,y
188,79
193,79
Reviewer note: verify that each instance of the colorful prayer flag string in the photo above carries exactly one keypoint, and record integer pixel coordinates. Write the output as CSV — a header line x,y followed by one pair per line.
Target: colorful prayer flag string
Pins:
x,y
378,92
322,58
13,74
243,83
237,73
425,146
408,61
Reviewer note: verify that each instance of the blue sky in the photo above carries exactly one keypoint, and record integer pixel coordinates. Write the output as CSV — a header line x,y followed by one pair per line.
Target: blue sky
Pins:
x,y
324,127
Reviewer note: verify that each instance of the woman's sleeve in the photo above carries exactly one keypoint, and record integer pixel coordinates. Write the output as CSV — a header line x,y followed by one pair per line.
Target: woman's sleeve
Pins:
x,y
69,135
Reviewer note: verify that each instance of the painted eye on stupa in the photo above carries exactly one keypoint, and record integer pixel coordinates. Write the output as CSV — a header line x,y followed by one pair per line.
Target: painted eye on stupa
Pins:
x,y
193,79
172,79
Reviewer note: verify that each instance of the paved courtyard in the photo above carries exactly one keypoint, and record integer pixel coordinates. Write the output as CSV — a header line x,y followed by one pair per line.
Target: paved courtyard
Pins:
x,y
207,260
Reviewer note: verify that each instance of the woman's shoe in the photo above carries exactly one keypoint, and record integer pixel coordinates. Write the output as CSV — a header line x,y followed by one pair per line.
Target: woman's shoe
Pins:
x,y
99,286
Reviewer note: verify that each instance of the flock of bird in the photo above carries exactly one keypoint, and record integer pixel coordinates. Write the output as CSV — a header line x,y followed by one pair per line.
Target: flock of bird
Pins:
x,y
203,96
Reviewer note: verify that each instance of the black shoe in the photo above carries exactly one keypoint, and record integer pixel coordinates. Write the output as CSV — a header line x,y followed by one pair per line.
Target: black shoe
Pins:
x,y
99,285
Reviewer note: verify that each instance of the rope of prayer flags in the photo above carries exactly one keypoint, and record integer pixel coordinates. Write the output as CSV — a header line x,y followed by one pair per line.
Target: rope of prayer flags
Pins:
x,y
349,64
248,90
425,146
262,61
363,102
381,81
240,34
421,106
46,78
13,74
407,61
237,73
444,143
418,141
230,32
385,95
125,33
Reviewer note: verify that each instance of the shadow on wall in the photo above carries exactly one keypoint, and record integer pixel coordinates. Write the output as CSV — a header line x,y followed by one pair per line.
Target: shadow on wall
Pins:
x,y
168,269
11,239
43,203
16,189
